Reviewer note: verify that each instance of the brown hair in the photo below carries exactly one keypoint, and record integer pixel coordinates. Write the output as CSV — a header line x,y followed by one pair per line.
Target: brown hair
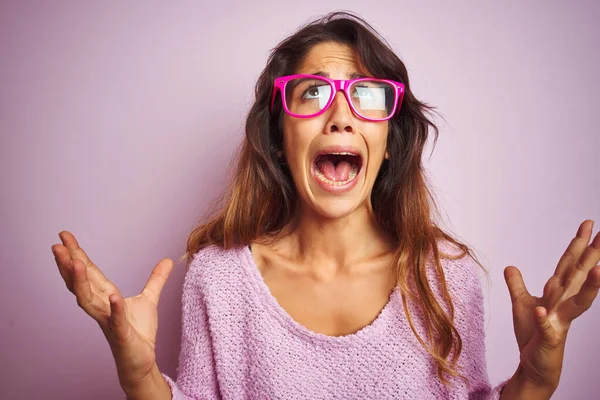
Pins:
x,y
261,198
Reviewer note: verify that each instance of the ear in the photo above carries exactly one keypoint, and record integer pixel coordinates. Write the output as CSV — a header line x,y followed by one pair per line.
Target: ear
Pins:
x,y
387,155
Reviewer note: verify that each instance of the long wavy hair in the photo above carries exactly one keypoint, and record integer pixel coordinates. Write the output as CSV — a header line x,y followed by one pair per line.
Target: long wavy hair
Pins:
x,y
261,198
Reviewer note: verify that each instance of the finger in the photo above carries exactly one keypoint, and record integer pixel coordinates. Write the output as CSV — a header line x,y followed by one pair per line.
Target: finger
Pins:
x,y
582,301
581,269
157,280
548,334
552,289
75,252
515,283
72,245
63,261
81,285
574,250
118,318
86,299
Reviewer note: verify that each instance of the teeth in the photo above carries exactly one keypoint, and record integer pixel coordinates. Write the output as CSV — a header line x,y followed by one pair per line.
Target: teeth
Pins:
x,y
344,153
351,176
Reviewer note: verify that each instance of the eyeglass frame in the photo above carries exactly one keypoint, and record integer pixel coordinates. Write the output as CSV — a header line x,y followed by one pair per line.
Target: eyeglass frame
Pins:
x,y
338,84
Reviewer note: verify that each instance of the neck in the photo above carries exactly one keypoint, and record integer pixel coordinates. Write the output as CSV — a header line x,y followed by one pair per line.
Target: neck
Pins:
x,y
336,243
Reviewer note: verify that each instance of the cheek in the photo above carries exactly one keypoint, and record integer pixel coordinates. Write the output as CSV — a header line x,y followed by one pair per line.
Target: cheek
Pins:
x,y
377,143
297,138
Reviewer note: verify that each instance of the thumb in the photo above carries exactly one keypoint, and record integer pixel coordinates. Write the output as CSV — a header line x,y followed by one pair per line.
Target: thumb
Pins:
x,y
157,280
118,317
515,283
544,327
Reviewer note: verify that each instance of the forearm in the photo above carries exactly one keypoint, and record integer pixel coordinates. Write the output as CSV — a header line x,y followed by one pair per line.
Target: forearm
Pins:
x,y
154,387
519,388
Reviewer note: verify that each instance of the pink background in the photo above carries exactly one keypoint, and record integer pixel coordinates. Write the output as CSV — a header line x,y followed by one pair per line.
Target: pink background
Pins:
x,y
118,122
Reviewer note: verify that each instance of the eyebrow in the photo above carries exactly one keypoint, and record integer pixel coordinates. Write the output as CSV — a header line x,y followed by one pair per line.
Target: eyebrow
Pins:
x,y
353,75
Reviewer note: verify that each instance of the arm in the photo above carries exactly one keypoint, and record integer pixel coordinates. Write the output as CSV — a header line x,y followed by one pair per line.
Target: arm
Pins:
x,y
196,374
469,321
471,311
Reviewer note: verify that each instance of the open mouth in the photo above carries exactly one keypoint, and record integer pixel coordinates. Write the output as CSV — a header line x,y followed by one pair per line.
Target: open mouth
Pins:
x,y
337,168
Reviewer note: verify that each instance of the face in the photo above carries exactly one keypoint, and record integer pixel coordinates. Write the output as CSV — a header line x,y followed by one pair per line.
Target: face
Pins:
x,y
332,184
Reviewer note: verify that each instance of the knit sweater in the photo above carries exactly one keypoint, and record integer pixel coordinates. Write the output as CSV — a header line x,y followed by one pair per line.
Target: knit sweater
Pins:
x,y
237,342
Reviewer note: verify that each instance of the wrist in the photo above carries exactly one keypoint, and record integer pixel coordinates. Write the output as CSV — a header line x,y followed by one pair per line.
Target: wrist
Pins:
x,y
153,386
520,387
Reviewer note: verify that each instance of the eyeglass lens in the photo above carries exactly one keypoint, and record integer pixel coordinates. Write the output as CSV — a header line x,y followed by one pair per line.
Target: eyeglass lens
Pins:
x,y
371,99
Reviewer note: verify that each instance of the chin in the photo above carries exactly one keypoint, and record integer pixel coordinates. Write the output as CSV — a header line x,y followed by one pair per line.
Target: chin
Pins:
x,y
335,208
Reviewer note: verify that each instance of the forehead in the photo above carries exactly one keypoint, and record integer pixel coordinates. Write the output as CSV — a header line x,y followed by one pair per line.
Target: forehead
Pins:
x,y
334,59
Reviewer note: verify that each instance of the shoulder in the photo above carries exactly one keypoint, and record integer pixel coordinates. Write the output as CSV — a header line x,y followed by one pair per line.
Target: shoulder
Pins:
x,y
213,264
462,274
213,255
456,265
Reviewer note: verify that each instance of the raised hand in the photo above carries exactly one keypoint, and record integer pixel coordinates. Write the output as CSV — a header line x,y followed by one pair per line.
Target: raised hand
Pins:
x,y
541,324
130,324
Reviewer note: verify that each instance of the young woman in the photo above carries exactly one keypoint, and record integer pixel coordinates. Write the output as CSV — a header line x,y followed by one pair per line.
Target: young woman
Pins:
x,y
323,275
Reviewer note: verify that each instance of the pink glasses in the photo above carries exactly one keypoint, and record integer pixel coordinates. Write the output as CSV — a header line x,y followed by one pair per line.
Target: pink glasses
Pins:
x,y
306,96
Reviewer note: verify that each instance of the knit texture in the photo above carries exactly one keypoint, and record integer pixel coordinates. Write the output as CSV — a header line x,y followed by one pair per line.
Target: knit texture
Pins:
x,y
237,342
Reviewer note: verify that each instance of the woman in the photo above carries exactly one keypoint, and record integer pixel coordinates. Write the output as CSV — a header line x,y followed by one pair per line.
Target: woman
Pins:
x,y
323,275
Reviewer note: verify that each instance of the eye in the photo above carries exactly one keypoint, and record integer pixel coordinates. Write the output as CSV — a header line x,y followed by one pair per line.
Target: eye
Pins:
x,y
362,92
314,92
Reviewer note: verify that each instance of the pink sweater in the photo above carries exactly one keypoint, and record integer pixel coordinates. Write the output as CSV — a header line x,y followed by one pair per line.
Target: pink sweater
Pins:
x,y
237,342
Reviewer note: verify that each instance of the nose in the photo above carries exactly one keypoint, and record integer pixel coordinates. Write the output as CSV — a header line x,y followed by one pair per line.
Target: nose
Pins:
x,y
340,115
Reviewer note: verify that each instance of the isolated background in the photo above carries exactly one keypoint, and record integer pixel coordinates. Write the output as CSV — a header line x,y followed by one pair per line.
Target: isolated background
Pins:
x,y
118,122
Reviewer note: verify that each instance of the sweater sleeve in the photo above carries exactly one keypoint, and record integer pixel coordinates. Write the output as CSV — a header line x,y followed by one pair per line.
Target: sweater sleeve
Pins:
x,y
469,320
196,374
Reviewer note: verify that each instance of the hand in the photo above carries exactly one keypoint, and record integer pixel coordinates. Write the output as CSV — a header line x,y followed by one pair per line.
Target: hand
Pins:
x,y
541,323
129,324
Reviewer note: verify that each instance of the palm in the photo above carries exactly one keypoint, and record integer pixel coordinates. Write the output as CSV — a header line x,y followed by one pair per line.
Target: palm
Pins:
x,y
534,356
523,319
541,324
141,313
143,317
136,348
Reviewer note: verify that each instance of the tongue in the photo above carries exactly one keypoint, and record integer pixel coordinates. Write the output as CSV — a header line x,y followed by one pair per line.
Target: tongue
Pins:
x,y
335,173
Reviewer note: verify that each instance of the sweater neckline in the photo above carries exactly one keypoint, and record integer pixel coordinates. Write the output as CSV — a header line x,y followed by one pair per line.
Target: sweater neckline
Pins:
x,y
274,308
